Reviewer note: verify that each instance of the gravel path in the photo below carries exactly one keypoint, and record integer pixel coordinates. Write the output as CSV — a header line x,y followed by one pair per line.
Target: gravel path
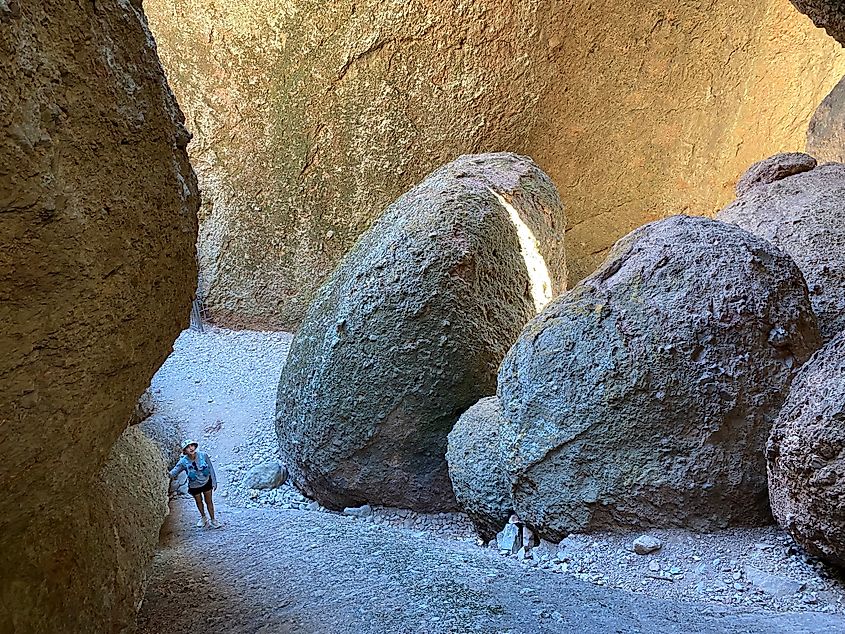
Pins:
x,y
282,564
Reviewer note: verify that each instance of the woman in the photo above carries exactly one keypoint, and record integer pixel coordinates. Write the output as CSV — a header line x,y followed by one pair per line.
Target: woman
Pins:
x,y
201,480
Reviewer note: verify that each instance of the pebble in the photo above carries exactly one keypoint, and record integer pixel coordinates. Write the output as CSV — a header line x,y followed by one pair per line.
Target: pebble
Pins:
x,y
646,544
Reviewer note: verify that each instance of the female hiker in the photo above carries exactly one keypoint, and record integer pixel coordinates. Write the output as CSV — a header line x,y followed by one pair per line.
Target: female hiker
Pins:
x,y
201,480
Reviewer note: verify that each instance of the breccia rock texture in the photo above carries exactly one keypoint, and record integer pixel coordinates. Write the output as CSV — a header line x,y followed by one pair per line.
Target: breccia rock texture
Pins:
x,y
826,132
804,215
806,456
409,330
825,14
97,269
311,117
644,395
479,480
774,169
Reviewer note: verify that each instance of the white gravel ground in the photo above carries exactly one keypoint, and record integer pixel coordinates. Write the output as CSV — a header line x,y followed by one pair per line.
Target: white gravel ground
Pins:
x,y
220,386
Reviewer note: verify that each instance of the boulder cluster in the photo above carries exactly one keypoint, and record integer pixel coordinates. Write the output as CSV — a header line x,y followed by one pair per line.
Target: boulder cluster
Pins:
x,y
645,396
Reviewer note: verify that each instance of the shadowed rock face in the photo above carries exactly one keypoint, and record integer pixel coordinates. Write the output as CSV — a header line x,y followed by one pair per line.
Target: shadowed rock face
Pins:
x,y
409,331
311,117
825,14
806,456
826,132
644,396
478,476
804,214
98,205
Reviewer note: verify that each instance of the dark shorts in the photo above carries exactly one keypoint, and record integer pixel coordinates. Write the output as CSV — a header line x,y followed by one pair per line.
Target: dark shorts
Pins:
x,y
205,487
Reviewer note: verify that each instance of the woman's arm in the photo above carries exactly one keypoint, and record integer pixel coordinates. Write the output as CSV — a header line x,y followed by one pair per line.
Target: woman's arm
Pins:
x,y
177,469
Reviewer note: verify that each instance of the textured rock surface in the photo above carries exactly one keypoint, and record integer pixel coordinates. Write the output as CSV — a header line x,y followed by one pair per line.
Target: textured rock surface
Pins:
x,y
804,215
310,118
409,330
97,270
644,396
83,569
478,476
826,14
774,169
806,456
826,132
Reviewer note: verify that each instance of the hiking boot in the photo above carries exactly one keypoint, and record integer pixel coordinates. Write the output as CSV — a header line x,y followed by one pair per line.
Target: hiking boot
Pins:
x,y
216,524
202,522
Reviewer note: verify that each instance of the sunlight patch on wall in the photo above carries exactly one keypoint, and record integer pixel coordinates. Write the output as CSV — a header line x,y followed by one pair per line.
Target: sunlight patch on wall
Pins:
x,y
529,248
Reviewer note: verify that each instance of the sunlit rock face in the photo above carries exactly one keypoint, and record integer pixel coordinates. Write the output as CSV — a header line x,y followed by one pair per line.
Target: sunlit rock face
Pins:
x,y
98,205
309,117
409,330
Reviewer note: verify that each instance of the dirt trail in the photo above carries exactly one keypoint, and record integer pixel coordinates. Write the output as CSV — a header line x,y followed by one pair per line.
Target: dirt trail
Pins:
x,y
275,571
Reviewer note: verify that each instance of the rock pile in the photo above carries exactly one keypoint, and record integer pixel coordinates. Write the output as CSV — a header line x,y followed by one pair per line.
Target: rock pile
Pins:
x,y
644,396
410,329
806,456
801,213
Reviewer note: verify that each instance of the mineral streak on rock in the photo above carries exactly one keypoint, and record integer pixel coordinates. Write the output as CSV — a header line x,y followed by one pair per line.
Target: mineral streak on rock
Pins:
x,y
806,456
644,396
409,331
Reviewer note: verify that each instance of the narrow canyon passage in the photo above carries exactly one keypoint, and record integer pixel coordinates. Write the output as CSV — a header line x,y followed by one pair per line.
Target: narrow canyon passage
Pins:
x,y
272,569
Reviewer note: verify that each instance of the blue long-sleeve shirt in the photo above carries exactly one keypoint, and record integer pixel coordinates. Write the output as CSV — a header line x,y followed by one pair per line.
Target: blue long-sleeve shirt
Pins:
x,y
199,470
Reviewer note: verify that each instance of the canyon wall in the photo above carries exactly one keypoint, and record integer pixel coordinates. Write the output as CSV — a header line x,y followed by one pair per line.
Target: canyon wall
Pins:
x,y
97,271
309,118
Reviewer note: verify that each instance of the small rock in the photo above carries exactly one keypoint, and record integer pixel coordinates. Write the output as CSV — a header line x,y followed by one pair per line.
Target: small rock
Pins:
x,y
654,566
645,544
774,585
359,512
509,539
267,475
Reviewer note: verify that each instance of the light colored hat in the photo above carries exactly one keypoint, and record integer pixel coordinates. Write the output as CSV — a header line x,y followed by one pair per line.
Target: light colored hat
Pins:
x,y
187,442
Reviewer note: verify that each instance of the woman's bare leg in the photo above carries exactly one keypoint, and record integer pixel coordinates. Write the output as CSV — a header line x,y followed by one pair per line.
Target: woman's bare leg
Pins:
x,y
209,504
198,500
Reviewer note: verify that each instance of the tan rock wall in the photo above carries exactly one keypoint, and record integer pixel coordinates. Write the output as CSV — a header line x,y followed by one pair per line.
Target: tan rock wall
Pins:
x,y
97,269
310,117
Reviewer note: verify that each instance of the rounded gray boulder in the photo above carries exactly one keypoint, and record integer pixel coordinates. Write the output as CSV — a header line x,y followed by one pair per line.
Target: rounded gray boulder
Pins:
x,y
644,396
409,330
774,169
804,214
478,476
806,456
